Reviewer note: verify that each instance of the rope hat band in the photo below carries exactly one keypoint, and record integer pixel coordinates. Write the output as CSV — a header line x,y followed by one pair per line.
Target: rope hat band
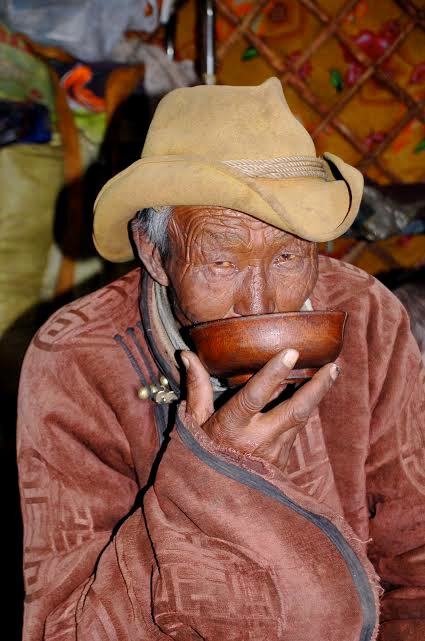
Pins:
x,y
283,167
199,152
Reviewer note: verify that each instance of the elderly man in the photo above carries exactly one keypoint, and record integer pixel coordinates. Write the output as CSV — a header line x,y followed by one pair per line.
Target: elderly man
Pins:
x,y
154,512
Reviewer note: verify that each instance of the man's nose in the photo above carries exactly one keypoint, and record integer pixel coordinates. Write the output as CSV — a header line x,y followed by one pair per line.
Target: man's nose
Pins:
x,y
254,295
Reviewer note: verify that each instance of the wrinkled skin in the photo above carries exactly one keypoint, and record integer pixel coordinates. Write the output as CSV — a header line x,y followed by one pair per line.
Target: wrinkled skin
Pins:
x,y
223,263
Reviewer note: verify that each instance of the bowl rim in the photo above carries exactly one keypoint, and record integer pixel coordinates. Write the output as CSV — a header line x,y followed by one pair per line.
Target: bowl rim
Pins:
x,y
254,318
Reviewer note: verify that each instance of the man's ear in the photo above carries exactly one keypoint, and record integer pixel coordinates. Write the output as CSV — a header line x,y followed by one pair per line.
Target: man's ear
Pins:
x,y
150,256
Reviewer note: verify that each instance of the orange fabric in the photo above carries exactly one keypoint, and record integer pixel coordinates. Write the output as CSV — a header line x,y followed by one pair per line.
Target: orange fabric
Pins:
x,y
75,81
73,172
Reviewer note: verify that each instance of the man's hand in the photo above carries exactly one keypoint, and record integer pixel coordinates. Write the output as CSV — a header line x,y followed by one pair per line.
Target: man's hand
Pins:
x,y
240,423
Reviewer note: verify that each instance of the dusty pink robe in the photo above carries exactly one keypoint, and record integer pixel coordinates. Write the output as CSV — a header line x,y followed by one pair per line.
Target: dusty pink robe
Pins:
x,y
219,546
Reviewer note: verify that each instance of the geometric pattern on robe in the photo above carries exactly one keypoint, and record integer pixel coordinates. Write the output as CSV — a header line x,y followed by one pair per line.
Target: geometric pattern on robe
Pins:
x,y
130,536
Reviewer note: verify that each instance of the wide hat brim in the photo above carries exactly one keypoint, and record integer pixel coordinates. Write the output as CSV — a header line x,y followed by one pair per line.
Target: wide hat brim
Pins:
x,y
311,208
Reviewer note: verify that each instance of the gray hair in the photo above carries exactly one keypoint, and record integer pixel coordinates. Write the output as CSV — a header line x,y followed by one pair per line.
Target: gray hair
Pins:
x,y
154,223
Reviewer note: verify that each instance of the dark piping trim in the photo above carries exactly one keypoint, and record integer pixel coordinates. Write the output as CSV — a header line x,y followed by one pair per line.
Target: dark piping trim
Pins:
x,y
358,574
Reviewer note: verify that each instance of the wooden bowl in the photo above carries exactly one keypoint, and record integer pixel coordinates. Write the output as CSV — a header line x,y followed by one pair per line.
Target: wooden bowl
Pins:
x,y
233,349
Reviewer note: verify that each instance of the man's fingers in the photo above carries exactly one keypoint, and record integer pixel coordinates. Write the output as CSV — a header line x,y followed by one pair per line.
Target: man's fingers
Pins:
x,y
300,406
262,387
199,395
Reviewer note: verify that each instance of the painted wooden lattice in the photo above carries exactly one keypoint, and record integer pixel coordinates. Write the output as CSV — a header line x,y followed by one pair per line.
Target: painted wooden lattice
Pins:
x,y
353,71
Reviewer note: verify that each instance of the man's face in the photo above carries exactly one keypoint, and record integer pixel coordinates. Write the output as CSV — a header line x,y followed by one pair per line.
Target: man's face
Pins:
x,y
224,263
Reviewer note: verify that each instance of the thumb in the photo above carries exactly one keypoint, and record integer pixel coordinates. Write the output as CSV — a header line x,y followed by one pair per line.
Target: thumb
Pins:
x,y
199,393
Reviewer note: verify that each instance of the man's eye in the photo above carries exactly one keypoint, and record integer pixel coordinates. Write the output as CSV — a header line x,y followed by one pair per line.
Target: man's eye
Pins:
x,y
224,263
284,258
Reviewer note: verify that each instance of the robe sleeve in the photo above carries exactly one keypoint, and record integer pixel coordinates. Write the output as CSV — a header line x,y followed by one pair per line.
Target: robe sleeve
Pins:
x,y
77,481
396,473
222,549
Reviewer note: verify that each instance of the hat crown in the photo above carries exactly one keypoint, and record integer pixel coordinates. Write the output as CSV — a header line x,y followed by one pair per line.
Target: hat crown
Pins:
x,y
226,123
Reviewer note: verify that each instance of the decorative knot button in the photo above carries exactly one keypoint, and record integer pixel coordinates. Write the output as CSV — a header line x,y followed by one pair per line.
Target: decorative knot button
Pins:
x,y
160,393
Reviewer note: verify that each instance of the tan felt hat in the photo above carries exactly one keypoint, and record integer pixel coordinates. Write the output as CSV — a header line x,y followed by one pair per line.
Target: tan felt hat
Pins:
x,y
235,147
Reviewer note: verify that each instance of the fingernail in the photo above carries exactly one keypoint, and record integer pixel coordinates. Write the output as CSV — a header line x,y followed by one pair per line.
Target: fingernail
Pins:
x,y
335,372
185,362
290,357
